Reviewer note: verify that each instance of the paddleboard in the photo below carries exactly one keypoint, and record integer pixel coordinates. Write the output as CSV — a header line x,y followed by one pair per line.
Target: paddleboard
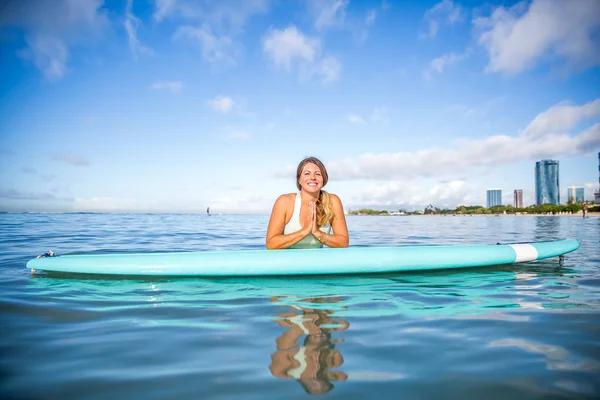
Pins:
x,y
352,260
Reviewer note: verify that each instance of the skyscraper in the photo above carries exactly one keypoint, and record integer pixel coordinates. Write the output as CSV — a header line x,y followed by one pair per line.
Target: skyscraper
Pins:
x,y
575,194
518,198
494,197
547,187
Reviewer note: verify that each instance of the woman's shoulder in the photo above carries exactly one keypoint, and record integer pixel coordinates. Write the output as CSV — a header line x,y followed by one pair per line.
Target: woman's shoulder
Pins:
x,y
334,197
286,198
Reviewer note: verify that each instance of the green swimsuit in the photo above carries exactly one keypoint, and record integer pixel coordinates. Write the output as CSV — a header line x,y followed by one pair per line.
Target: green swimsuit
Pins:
x,y
309,242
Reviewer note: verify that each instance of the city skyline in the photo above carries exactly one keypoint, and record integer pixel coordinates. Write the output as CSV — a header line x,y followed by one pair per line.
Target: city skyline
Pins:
x,y
180,105
547,182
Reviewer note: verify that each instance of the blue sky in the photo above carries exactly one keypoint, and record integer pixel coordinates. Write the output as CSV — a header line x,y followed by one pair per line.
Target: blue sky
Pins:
x,y
179,105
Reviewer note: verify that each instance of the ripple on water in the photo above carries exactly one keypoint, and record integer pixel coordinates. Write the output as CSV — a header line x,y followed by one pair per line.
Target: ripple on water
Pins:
x,y
528,330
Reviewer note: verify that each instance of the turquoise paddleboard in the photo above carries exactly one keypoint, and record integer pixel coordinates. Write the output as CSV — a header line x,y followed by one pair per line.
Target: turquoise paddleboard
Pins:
x,y
352,260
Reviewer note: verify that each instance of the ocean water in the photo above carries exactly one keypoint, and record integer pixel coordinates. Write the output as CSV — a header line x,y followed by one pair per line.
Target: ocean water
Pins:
x,y
529,330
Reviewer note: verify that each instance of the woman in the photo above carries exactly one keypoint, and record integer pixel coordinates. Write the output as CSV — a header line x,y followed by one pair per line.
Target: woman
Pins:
x,y
305,219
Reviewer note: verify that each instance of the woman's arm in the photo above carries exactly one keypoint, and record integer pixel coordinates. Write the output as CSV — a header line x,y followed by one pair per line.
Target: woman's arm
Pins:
x,y
339,238
275,237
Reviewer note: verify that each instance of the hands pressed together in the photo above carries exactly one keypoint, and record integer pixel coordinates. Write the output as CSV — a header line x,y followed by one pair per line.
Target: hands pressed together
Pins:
x,y
310,224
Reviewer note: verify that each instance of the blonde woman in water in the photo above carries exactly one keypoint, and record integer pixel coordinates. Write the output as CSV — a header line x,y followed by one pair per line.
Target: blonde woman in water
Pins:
x,y
306,219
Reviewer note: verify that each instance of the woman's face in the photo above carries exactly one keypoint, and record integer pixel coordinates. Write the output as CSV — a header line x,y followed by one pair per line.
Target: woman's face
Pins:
x,y
311,180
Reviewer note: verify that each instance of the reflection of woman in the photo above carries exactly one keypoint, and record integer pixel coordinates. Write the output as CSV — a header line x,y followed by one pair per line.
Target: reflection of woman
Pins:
x,y
310,362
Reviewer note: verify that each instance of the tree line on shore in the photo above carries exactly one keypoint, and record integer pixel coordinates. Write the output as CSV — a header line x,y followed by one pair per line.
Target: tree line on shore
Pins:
x,y
572,208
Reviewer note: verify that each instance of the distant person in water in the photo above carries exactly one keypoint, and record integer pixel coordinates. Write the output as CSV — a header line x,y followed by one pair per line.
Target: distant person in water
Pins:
x,y
305,219
207,210
584,210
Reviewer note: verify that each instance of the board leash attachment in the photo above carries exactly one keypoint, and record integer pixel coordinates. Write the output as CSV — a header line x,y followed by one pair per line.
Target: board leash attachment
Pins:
x,y
49,253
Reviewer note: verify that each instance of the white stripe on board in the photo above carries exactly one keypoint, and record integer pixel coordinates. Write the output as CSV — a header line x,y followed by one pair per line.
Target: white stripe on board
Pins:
x,y
525,252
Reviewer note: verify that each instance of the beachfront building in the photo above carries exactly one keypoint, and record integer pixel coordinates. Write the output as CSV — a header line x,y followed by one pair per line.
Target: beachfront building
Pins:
x,y
547,187
494,197
575,195
518,198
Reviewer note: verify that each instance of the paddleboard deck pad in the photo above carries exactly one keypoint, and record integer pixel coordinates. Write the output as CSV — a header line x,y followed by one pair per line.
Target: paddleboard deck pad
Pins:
x,y
352,260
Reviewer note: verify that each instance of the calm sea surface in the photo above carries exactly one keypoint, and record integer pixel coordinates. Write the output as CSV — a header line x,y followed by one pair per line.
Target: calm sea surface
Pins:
x,y
528,331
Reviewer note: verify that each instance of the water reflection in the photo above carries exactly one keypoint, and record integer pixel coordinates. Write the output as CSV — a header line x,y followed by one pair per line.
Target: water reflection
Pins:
x,y
548,228
557,357
306,349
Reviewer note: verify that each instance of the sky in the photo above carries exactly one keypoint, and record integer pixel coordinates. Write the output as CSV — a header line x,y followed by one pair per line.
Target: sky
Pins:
x,y
180,105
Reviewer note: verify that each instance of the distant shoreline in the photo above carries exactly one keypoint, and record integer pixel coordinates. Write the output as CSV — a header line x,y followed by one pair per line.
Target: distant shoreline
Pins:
x,y
578,215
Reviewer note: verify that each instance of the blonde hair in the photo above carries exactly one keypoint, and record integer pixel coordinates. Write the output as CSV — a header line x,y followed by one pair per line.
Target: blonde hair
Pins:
x,y
325,212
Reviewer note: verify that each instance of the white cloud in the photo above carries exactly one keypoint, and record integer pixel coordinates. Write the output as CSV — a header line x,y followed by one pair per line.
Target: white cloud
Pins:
x,y
222,104
380,115
439,64
519,37
477,110
329,69
285,46
289,47
163,8
588,190
50,28
448,190
223,15
239,134
334,14
562,118
110,204
589,140
408,194
72,159
12,194
444,12
49,54
328,13
219,24
356,119
172,86
241,202
215,49
469,155
370,18
132,23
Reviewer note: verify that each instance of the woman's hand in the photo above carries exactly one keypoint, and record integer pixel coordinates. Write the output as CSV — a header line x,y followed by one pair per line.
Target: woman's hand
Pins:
x,y
310,219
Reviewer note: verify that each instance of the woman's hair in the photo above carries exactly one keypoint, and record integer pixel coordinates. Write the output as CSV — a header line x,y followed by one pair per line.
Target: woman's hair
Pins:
x,y
324,207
